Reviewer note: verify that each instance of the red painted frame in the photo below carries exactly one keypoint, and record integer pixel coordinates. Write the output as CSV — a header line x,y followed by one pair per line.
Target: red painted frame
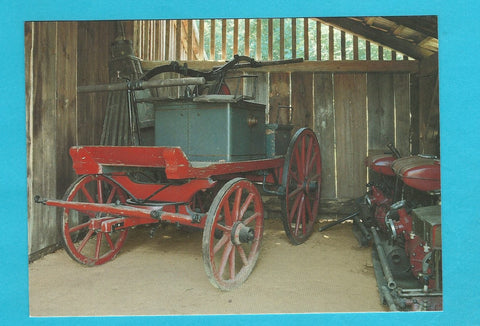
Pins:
x,y
172,203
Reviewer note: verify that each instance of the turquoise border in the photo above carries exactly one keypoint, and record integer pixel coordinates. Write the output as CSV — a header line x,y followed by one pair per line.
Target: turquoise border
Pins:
x,y
459,121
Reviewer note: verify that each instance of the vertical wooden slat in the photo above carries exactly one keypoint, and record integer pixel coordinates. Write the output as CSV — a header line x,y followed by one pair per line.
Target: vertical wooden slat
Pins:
x,y
235,36
270,39
282,39
167,39
342,45
258,47
381,128
190,39
247,37
201,39
394,55
302,99
306,50
330,43
324,126
224,39
368,55
178,39
351,133
43,137
380,53
279,96
401,88
355,47
294,38
405,57
212,39
66,101
319,41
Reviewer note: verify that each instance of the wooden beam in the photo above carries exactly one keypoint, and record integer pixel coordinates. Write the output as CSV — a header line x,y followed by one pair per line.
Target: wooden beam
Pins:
x,y
377,36
270,39
306,54
282,38
201,39
342,45
212,39
410,66
247,37
190,39
235,36
224,39
330,43
427,25
319,41
167,40
355,47
178,39
258,55
294,38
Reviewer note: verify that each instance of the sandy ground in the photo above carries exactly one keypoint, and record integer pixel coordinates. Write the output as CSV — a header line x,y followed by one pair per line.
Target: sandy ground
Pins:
x,y
164,275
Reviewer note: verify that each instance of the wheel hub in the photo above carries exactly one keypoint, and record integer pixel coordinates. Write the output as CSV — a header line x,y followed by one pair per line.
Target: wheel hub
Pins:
x,y
242,233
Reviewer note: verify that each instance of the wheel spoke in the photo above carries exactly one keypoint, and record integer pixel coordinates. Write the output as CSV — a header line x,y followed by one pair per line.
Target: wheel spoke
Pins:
x,y
294,192
232,263
300,215
221,243
294,207
99,191
245,205
243,256
109,241
236,204
98,245
112,194
87,194
228,215
224,259
85,240
78,227
251,218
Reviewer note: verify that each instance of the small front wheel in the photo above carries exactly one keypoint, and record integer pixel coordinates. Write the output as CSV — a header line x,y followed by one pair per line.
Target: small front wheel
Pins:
x,y
233,234
82,237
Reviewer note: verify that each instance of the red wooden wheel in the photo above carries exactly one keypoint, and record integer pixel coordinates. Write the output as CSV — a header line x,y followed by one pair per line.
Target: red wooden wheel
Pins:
x,y
82,238
233,234
301,180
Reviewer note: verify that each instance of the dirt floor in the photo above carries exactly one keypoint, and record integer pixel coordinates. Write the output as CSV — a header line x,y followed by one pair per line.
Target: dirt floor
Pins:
x,y
164,275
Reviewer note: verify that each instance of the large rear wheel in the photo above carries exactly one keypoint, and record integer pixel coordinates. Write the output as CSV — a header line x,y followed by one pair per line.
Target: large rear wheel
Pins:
x,y
301,182
233,234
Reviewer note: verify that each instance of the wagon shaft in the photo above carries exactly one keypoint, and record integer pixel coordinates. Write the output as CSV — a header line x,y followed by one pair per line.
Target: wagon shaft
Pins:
x,y
120,216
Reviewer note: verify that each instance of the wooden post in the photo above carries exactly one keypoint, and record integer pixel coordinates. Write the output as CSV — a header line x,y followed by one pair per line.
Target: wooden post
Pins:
x,y
282,39
212,39
258,55
247,37
306,54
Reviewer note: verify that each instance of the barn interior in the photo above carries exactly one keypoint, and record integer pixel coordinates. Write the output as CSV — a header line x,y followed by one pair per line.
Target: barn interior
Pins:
x,y
364,82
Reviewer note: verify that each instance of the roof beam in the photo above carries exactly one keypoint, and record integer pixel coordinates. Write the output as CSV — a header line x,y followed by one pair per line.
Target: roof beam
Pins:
x,y
424,24
377,36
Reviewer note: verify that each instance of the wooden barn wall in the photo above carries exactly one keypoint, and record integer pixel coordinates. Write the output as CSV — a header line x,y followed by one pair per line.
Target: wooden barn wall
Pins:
x,y
353,114
58,57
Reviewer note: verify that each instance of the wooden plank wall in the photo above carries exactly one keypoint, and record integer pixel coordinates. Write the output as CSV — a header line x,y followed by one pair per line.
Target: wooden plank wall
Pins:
x,y
353,114
56,52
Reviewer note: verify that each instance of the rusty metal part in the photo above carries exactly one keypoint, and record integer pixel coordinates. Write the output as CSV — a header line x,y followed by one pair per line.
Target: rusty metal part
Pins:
x,y
383,260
